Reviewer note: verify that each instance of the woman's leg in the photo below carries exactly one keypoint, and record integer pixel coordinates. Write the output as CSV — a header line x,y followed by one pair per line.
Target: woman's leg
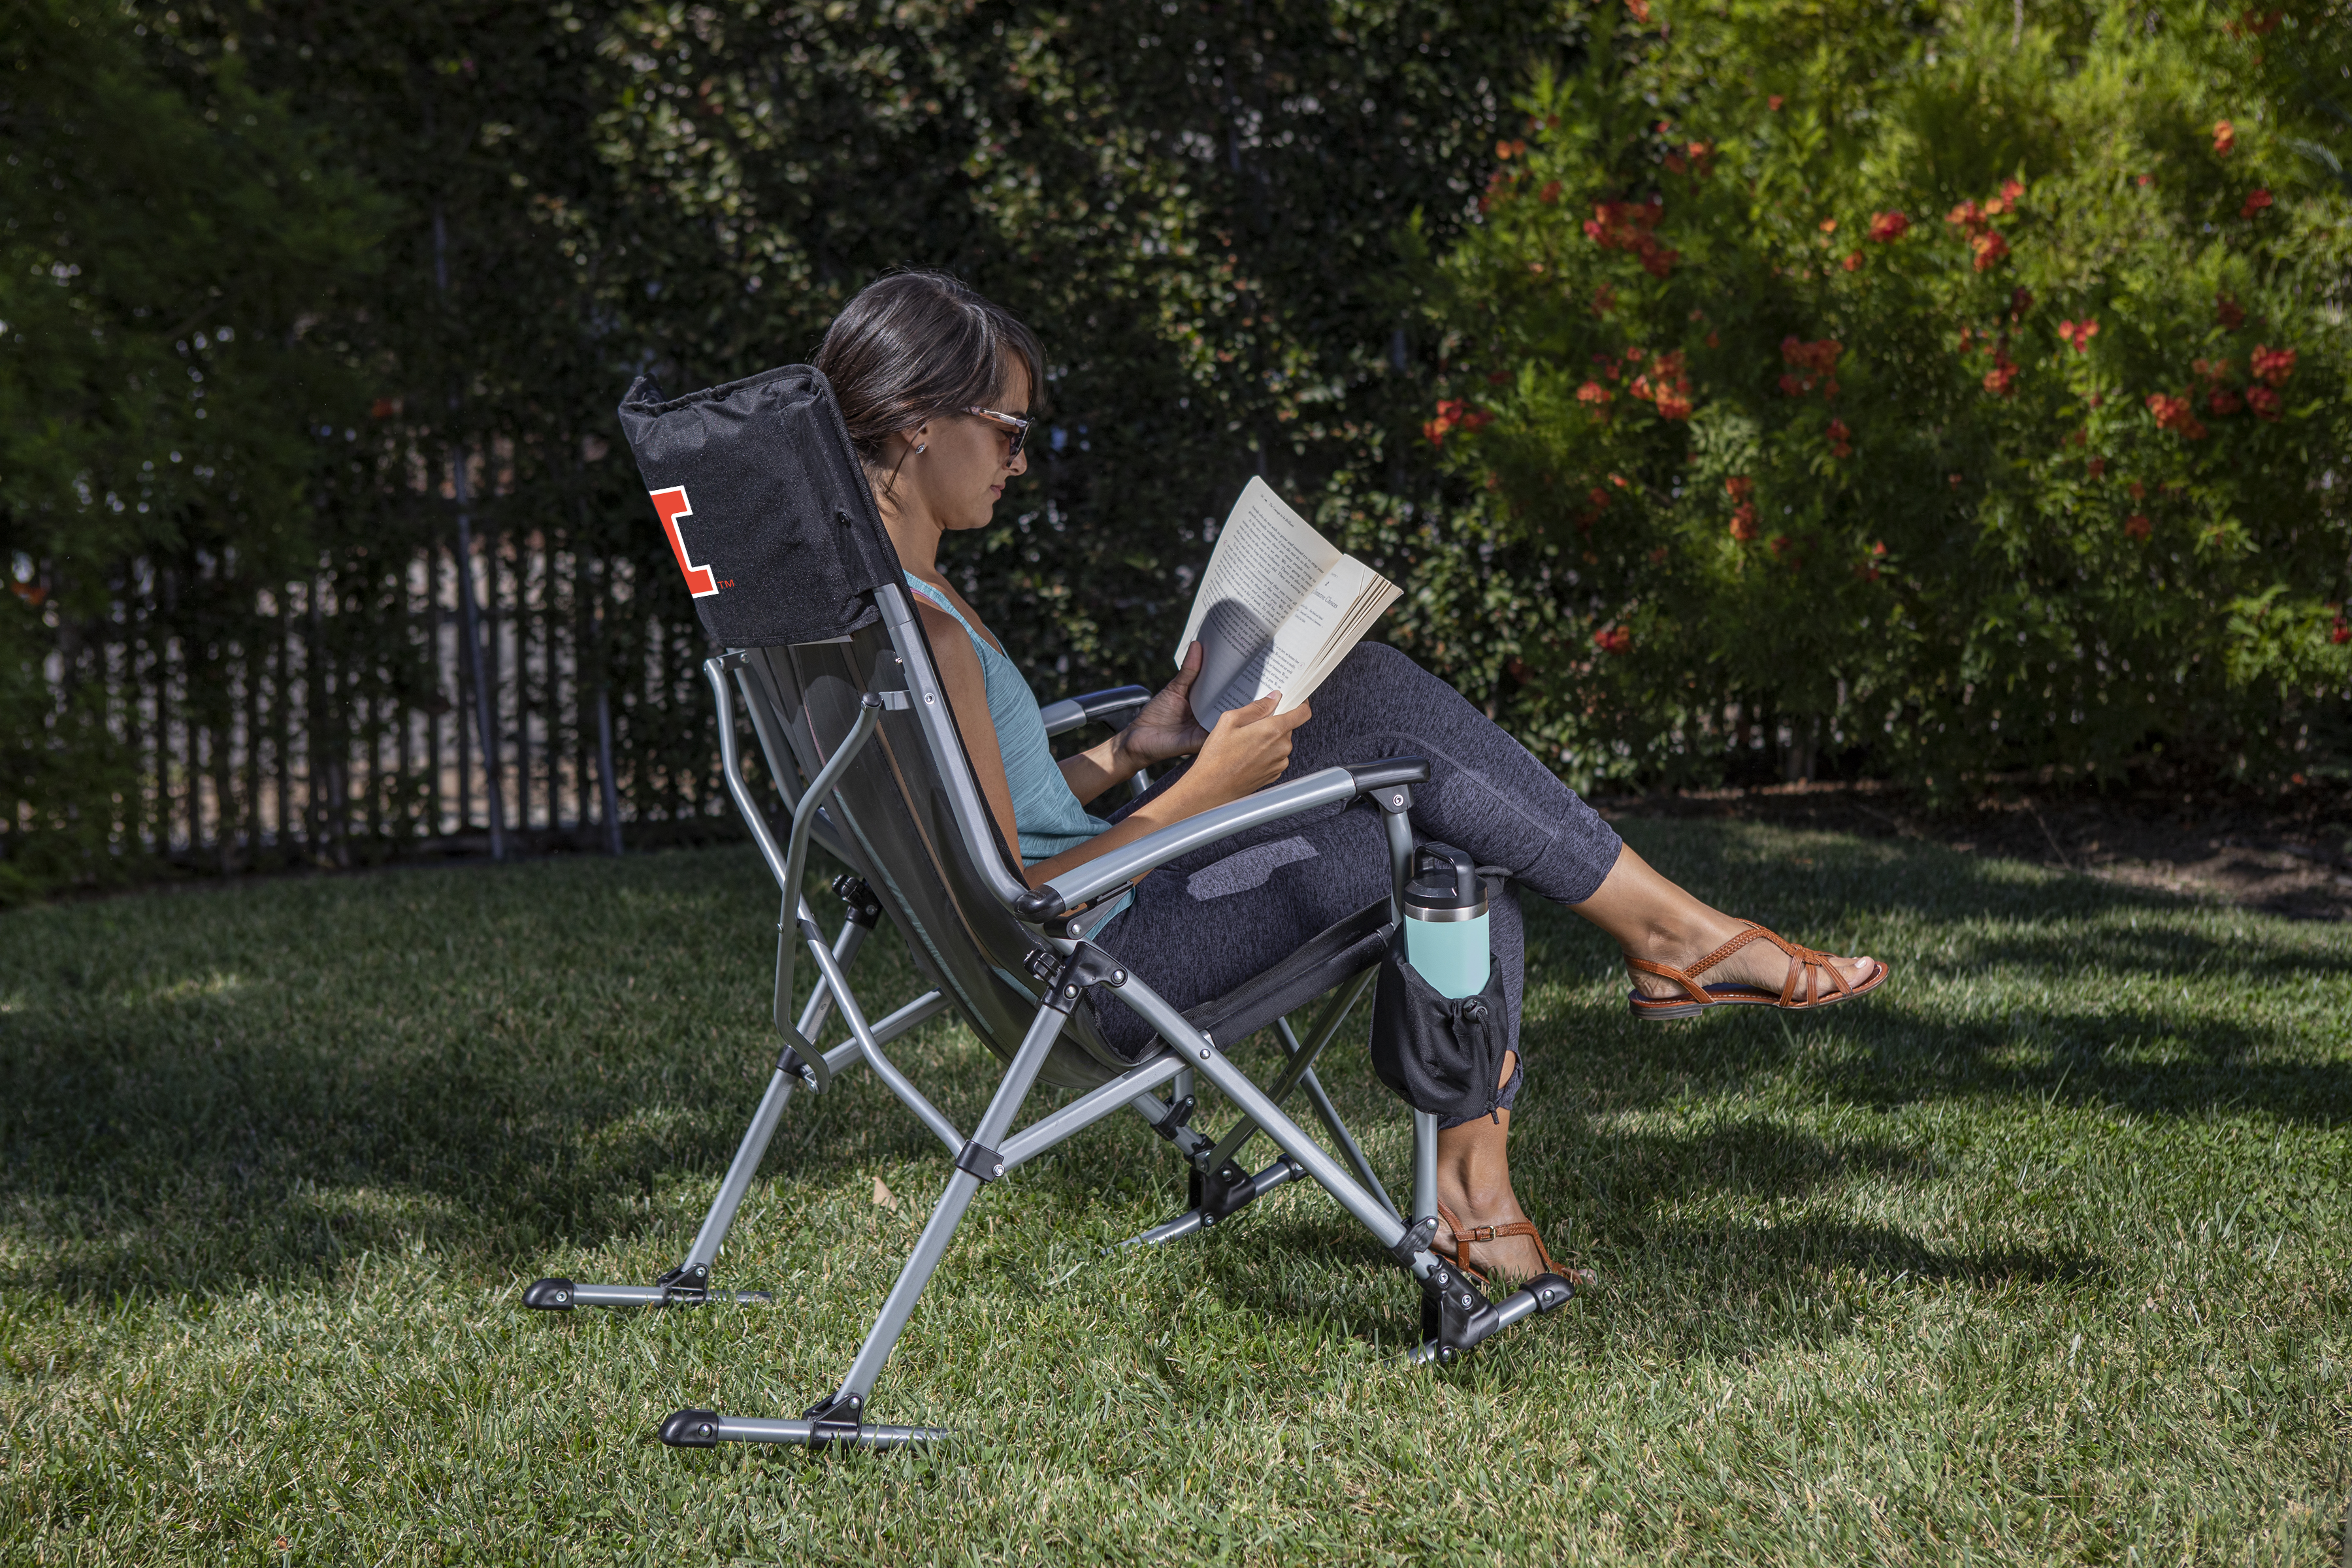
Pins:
x,y
1488,796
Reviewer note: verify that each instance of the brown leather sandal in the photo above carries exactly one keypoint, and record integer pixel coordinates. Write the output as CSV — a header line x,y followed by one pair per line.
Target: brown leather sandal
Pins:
x,y
1582,1278
1807,970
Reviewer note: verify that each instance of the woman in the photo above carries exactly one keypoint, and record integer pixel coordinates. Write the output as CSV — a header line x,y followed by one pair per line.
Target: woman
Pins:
x,y
935,383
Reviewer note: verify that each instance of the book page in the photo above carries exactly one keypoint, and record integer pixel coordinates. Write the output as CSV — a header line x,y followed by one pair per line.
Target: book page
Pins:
x,y
1342,608
1268,560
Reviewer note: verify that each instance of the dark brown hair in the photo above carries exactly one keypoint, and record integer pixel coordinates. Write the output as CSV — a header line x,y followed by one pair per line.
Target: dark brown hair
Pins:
x,y
915,345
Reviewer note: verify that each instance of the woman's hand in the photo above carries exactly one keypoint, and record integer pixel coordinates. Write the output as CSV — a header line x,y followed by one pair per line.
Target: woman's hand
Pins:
x,y
1165,727
1247,752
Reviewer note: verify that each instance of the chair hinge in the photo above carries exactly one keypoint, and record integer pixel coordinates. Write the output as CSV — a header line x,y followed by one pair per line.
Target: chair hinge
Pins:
x,y
865,909
979,1159
834,1418
1416,1239
1173,1123
1087,965
810,1070
684,1283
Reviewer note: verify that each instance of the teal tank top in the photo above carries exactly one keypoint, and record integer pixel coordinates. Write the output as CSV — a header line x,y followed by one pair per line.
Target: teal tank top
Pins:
x,y
1047,815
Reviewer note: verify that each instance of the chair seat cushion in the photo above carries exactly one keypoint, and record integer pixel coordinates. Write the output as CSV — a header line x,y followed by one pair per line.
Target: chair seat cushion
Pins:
x,y
1336,954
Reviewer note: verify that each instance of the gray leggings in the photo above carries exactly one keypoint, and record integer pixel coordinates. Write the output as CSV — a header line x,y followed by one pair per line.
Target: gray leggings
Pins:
x,y
1201,926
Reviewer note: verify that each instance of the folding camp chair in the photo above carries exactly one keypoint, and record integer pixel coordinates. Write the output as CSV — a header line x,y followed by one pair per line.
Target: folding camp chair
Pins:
x,y
856,735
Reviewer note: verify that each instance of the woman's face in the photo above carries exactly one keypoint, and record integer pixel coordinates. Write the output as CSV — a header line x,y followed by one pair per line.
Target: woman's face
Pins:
x,y
962,469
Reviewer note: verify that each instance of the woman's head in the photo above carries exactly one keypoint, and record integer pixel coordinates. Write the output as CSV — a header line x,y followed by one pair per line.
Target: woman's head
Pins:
x,y
909,359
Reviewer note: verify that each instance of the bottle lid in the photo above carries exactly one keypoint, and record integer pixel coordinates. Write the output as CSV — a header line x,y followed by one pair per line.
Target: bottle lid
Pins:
x,y
1444,885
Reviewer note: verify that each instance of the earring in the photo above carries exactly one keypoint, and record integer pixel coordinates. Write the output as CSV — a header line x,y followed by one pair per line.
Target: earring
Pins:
x,y
922,447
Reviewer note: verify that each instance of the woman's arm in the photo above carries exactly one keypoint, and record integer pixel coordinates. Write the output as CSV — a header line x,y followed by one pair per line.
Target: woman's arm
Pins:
x,y
967,692
1165,728
1247,752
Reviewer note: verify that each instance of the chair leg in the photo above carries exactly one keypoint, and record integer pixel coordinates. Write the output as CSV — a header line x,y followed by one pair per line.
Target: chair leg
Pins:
x,y
688,1283
1457,1315
839,1418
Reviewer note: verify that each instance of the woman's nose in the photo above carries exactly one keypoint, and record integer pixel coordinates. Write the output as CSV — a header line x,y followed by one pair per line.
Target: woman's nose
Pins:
x,y
1020,463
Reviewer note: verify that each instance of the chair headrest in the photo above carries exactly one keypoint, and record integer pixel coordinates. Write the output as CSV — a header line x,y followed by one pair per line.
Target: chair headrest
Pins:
x,y
765,506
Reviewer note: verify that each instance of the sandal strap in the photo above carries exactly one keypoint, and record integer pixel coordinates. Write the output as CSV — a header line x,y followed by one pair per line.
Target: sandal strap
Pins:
x,y
1464,1236
1691,988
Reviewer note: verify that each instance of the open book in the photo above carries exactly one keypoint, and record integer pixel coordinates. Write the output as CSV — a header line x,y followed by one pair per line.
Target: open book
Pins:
x,y
1277,610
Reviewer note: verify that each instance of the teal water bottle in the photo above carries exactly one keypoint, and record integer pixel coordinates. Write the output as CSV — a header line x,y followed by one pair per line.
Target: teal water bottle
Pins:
x,y
1445,922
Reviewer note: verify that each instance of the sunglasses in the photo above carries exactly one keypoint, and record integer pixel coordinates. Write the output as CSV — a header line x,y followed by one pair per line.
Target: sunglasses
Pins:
x,y
1015,429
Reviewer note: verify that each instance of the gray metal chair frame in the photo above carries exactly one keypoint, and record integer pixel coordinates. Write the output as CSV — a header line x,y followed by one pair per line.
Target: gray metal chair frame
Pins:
x,y
857,737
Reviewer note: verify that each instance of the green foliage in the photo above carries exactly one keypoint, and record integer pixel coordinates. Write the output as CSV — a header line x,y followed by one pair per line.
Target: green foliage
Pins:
x,y
165,269
1959,395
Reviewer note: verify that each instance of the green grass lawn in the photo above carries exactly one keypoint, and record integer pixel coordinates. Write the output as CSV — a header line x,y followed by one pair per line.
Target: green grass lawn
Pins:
x,y
2041,1255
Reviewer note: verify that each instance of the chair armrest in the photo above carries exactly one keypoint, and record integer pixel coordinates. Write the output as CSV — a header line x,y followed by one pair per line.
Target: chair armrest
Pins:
x,y
1072,711
1083,884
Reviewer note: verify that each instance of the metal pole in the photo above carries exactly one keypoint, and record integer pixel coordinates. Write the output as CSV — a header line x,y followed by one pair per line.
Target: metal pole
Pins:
x,y
485,702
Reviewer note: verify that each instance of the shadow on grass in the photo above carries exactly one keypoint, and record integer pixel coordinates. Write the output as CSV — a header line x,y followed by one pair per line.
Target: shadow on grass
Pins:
x,y
367,1095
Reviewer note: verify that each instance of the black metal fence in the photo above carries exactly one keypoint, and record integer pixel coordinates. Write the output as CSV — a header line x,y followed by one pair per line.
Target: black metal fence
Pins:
x,y
339,716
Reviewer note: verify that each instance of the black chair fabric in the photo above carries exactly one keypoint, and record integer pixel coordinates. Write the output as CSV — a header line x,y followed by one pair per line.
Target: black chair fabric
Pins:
x,y
765,504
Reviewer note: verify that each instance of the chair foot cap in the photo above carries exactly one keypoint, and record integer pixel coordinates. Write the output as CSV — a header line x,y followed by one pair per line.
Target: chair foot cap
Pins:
x,y
549,1295
691,1429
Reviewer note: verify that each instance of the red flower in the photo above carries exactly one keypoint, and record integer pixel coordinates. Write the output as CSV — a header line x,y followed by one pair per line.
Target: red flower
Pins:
x,y
2265,403
2146,181
1887,227
1604,300
1453,414
2274,365
1549,193
2224,401
2138,526
2138,490
1774,102
2174,414
2011,190
1820,358
2229,311
2097,466
2001,379
1743,522
1840,439
1990,246
2225,138
1673,405
1598,497
1594,393
2256,200
1625,226
383,408
1641,10
1739,487
2343,633
1967,215
1854,262
2079,334
1615,639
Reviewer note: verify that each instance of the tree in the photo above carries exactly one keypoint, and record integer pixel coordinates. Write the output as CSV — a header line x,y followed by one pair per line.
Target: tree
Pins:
x,y
167,396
